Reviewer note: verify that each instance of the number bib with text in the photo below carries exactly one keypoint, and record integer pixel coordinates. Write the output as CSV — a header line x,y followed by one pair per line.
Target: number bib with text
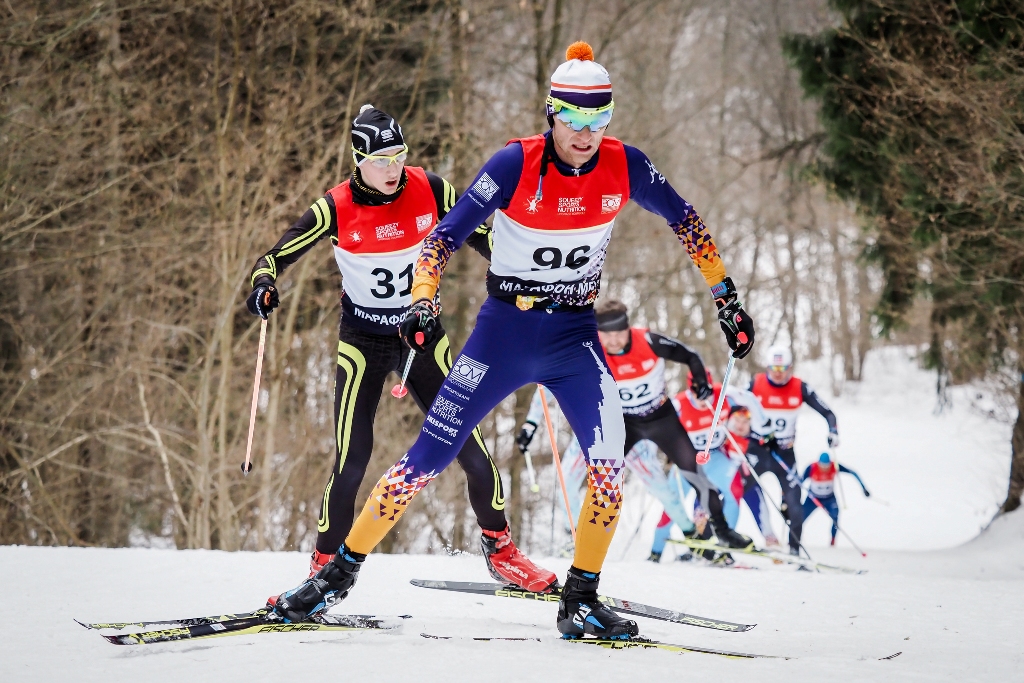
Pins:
x,y
639,374
553,245
376,248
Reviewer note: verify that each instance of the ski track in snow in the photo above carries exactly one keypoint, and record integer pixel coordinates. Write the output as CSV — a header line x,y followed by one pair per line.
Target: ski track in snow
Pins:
x,y
951,605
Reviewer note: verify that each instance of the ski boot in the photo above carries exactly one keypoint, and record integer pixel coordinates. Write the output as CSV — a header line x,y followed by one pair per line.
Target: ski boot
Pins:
x,y
723,560
316,562
318,594
580,613
686,556
655,557
730,538
507,564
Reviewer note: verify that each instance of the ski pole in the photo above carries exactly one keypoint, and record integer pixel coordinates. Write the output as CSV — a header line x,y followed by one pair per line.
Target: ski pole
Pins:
x,y
399,390
757,479
558,461
702,458
529,470
842,493
818,503
247,465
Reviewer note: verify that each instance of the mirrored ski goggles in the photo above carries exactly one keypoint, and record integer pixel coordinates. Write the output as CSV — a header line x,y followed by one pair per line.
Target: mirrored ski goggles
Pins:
x,y
578,118
780,368
380,160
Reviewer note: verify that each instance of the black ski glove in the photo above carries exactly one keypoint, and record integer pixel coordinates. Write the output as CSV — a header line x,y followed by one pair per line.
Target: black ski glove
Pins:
x,y
833,440
735,322
769,441
702,390
421,317
526,436
262,300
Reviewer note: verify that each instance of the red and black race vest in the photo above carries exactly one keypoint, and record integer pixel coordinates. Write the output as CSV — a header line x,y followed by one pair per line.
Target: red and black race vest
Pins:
x,y
555,245
696,419
377,247
823,480
781,404
639,374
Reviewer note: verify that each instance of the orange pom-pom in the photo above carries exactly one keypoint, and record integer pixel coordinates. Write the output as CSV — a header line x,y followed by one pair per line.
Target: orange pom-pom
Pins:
x,y
580,50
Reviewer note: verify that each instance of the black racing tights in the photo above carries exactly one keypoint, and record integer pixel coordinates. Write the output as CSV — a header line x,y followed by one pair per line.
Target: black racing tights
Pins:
x,y
668,433
364,362
761,458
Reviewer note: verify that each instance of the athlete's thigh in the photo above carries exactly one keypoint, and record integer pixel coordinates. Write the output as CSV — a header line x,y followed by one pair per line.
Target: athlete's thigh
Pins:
x,y
487,496
487,370
589,399
361,369
674,442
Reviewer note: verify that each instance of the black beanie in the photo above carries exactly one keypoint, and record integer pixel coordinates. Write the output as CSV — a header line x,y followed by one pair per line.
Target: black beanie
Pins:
x,y
374,130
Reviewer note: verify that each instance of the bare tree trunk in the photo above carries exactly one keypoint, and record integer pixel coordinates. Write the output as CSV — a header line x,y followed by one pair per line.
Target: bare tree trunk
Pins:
x,y
1016,487
843,334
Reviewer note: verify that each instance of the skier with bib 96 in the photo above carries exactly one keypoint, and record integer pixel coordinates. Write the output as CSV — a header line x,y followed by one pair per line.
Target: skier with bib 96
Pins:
x,y
377,221
781,395
554,198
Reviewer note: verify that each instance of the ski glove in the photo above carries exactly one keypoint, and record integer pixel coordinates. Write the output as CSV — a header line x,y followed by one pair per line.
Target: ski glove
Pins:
x,y
421,317
735,322
867,494
526,436
702,390
833,440
262,300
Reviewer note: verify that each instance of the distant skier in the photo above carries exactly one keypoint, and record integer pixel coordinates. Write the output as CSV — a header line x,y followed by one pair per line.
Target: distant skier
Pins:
x,y
636,358
642,461
781,394
821,477
750,493
377,221
696,414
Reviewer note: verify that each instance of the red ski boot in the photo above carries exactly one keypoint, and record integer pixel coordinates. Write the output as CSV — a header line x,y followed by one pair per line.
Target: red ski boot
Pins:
x,y
507,564
316,562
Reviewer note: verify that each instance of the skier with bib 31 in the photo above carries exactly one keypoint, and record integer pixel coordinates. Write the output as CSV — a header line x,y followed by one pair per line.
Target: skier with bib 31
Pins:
x,y
377,221
554,198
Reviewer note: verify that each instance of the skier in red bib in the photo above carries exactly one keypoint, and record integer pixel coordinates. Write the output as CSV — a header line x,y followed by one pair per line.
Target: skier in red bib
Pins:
x,y
555,198
781,395
377,221
636,358
821,478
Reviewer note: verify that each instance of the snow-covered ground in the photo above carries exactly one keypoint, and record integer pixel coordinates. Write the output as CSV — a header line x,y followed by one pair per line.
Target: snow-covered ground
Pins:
x,y
951,605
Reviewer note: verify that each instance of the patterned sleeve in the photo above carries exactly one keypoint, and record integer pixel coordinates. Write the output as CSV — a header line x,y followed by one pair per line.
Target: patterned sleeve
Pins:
x,y
317,222
494,184
649,189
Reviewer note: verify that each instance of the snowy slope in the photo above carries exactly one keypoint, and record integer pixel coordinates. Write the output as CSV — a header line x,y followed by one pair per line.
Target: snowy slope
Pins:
x,y
954,615
951,605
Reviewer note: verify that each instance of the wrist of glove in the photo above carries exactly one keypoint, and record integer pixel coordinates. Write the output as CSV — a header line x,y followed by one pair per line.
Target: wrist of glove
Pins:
x,y
262,300
525,436
736,322
703,392
833,440
419,328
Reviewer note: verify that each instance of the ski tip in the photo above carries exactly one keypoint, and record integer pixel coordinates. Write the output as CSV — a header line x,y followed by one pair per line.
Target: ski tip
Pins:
x,y
893,656
426,583
114,640
82,624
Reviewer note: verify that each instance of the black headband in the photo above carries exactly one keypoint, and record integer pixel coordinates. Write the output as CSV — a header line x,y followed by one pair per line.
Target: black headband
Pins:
x,y
613,321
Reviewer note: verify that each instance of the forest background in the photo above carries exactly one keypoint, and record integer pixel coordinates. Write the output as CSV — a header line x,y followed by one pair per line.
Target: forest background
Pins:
x,y
150,151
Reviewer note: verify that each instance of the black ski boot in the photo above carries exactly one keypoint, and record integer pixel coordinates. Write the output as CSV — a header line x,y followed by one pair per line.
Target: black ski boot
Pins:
x,y
730,538
580,613
655,557
318,594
